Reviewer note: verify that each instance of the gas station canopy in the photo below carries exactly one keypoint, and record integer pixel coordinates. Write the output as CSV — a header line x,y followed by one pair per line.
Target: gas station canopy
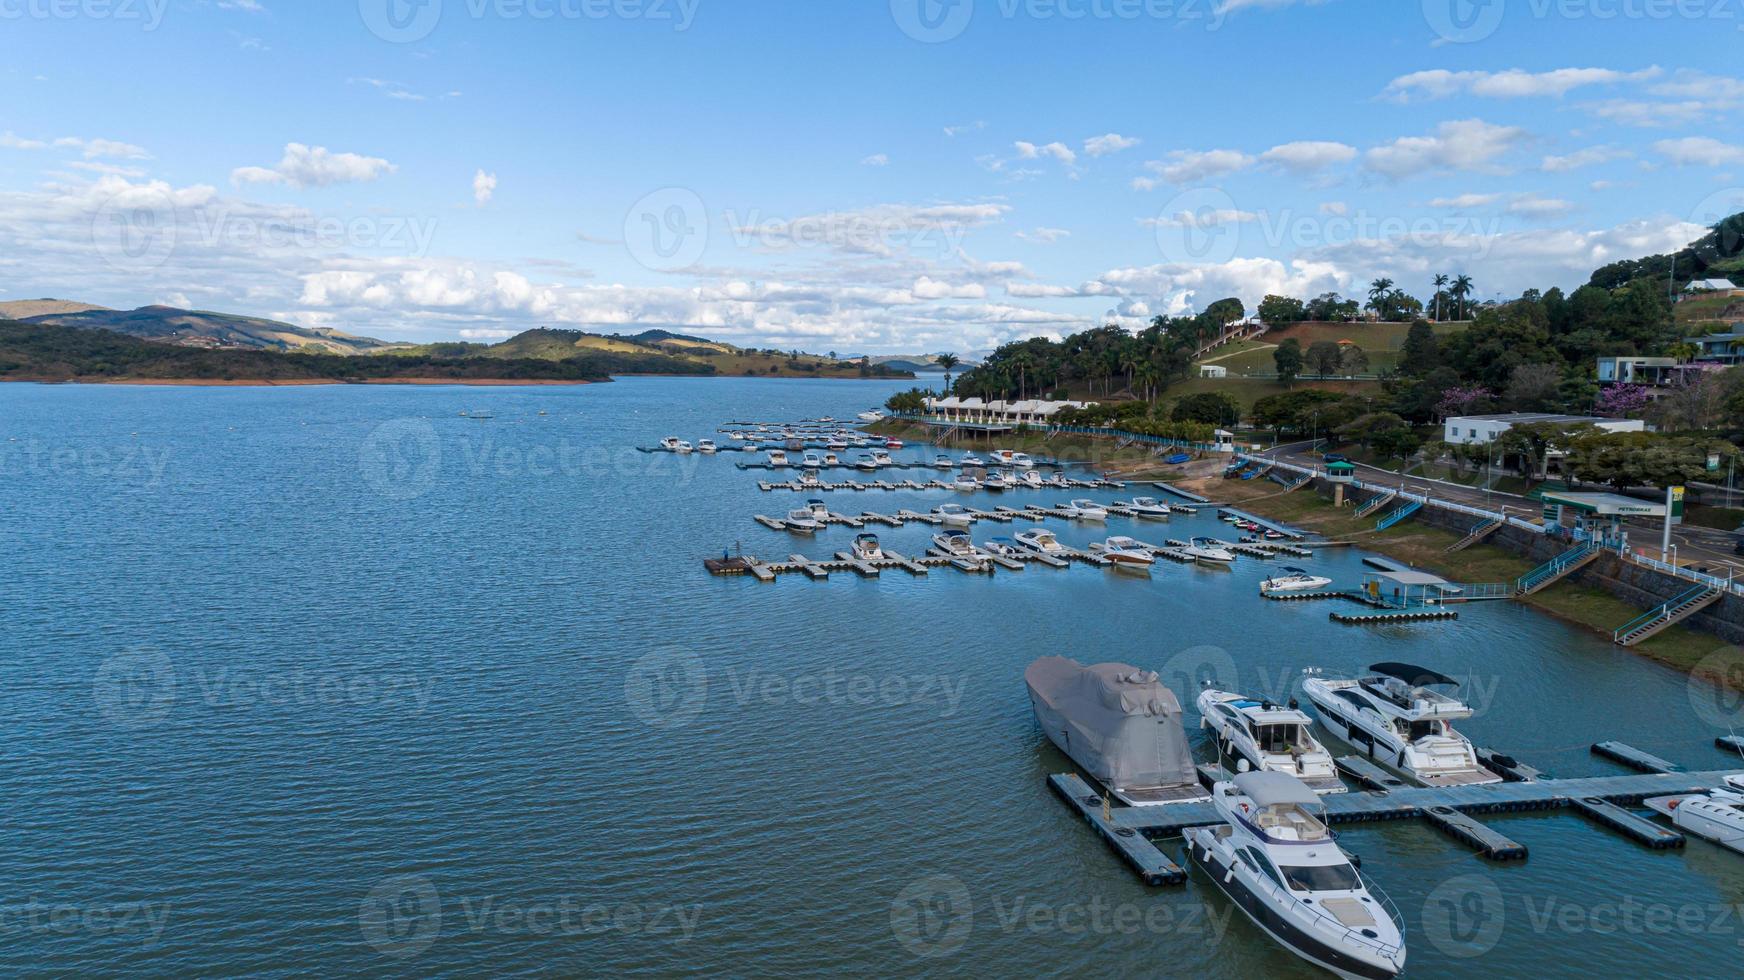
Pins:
x,y
1606,504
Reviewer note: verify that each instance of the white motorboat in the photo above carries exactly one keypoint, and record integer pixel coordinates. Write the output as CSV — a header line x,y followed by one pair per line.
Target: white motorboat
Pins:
x,y
836,442
818,509
955,544
943,462
1022,461
1254,734
1000,480
831,459
1291,579
1004,548
812,460
777,457
966,482
1277,861
882,458
1126,551
867,548
670,443
1059,480
1040,540
893,443
872,416
1031,480
1089,510
1149,507
1397,720
751,447
954,515
683,448
1209,550
707,446
1716,816
865,461
809,478
972,460
803,521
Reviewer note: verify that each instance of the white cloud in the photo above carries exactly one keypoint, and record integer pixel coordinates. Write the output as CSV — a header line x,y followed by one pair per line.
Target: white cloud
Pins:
x,y
953,131
1044,236
928,288
1701,151
1101,146
1690,84
1534,206
304,167
486,334
1309,156
1059,151
1209,218
1512,84
1650,115
1588,157
1188,166
876,160
1337,209
1465,201
1460,145
484,187
10,141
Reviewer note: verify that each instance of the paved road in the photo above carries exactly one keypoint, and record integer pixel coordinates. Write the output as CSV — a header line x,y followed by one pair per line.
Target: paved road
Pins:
x,y
1700,546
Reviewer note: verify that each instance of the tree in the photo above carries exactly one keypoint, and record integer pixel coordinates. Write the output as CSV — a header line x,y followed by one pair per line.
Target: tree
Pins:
x,y
1691,402
1643,459
1464,401
1324,357
1352,359
910,402
947,361
1623,401
1288,358
1422,352
1462,288
1209,407
1275,311
1226,311
1364,429
1379,291
1297,411
1441,281
1534,441
1397,443
1534,388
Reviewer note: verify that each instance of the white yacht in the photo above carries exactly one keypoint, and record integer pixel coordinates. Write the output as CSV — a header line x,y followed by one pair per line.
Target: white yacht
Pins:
x,y
872,416
1254,734
736,436
751,447
1717,816
803,521
1149,507
1089,510
955,544
867,548
1209,550
1043,541
707,446
966,482
1006,457
670,443
836,442
1000,480
812,460
954,515
1277,861
831,459
818,509
777,457
1399,721
1004,548
865,461
1031,480
882,458
943,462
1291,579
1126,551
1059,480
809,478
972,460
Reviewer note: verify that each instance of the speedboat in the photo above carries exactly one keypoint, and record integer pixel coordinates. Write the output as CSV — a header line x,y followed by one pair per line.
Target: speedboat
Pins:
x,y
1208,550
893,443
865,461
831,459
955,544
1126,551
882,458
1001,480
836,442
817,508
872,416
1040,540
1031,480
954,515
1260,735
1291,579
1277,861
777,457
803,521
1059,480
943,462
1398,720
1004,548
683,448
809,478
971,460
1006,457
1717,816
812,460
1121,725
751,447
736,436
866,547
1089,510
966,482
1149,507
706,446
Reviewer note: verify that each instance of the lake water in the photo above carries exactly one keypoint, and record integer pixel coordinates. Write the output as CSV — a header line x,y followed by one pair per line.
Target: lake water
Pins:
x,y
334,681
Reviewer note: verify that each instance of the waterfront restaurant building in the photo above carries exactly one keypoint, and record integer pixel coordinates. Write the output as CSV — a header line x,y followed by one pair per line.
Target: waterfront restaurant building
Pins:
x,y
974,411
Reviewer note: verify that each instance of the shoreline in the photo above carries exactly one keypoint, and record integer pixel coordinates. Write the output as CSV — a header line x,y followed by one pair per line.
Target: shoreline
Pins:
x,y
293,382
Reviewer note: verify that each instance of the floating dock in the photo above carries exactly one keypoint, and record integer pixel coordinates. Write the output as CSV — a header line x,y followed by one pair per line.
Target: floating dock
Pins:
x,y
1385,619
1284,529
1634,758
1475,835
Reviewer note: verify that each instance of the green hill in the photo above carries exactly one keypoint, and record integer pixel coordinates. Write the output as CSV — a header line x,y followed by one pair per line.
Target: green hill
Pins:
x,y
214,331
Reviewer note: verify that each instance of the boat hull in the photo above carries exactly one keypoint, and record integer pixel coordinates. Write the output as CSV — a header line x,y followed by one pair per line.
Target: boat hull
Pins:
x,y
1379,748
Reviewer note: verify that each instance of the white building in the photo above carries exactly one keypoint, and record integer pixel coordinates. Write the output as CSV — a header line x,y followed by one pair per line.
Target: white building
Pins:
x,y
1483,429
1213,371
1724,287
974,411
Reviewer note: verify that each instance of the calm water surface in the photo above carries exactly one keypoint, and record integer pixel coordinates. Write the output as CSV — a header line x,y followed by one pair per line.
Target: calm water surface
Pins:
x,y
335,681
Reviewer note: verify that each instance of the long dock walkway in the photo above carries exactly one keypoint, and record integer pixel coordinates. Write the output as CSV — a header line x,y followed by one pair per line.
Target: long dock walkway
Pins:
x,y
1271,525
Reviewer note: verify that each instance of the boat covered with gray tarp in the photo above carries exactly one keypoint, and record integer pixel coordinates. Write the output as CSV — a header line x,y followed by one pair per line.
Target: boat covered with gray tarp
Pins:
x,y
1120,724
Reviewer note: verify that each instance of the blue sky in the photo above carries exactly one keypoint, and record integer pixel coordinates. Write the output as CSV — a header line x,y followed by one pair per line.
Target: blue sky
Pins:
x,y
886,176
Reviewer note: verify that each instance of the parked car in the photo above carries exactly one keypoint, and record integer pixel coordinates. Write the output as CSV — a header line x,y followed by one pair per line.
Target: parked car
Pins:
x,y
1336,458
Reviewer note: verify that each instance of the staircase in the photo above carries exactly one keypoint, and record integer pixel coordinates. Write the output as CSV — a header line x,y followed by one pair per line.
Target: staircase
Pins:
x,y
1377,503
1555,570
1676,611
1299,483
1477,534
1399,515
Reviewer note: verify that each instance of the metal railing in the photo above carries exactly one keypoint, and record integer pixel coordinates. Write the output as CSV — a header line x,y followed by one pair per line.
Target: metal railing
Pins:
x,y
1661,613
1409,508
1554,567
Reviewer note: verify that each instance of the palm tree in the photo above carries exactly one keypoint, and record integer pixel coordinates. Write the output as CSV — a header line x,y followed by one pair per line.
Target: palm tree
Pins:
x,y
947,361
1462,288
1379,292
1441,282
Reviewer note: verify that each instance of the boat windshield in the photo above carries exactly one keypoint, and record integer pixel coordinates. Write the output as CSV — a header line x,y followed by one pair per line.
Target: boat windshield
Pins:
x,y
1278,739
1321,878
1424,729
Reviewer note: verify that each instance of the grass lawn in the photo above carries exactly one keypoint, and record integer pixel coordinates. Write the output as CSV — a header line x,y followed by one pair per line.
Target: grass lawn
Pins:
x,y
1371,337
1678,646
1246,391
1703,309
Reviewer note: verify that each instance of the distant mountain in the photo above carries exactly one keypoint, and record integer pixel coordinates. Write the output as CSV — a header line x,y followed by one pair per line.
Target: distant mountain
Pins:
x,y
693,353
200,328
24,309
